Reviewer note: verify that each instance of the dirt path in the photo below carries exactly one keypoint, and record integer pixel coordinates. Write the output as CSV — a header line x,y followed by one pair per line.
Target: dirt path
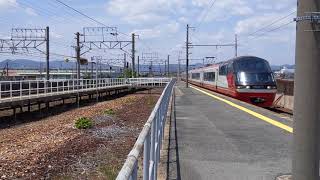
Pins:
x,y
53,149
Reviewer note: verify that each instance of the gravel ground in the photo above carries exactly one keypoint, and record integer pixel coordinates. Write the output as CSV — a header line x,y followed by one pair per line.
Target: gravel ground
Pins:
x,y
53,149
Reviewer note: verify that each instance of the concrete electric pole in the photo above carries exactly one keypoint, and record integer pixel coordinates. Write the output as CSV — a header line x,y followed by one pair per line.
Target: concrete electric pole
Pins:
x,y
187,57
236,45
168,66
78,54
306,149
138,68
179,69
133,55
47,54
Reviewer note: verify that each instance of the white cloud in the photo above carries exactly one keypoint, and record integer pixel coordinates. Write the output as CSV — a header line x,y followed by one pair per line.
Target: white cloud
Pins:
x,y
5,4
143,18
143,10
163,30
31,12
222,10
275,5
56,35
183,19
255,23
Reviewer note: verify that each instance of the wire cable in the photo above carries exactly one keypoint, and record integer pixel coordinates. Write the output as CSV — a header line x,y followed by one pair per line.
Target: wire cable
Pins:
x,y
98,22
272,23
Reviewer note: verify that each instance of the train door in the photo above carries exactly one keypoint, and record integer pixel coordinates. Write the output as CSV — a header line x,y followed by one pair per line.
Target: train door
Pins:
x,y
216,78
222,76
230,77
201,78
209,79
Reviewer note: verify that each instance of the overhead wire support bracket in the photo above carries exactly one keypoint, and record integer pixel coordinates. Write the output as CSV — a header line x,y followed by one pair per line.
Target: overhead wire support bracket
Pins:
x,y
313,18
208,45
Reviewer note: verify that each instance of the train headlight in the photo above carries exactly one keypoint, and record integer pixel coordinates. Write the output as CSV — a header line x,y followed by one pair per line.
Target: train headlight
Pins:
x,y
248,87
240,87
271,87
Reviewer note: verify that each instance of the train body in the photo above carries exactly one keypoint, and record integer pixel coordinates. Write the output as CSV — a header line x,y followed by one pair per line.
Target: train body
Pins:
x,y
246,78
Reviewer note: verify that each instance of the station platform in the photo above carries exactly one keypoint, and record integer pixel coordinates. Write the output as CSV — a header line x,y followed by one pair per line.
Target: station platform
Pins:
x,y
219,138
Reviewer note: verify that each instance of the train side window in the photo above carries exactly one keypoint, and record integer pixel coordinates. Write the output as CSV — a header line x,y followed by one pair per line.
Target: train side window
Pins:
x,y
209,76
223,70
195,76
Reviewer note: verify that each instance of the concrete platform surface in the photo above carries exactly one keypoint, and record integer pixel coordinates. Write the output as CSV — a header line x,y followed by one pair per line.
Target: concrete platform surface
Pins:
x,y
220,142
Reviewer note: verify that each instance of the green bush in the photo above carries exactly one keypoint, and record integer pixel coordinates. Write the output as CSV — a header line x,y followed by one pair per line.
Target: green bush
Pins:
x,y
83,123
109,112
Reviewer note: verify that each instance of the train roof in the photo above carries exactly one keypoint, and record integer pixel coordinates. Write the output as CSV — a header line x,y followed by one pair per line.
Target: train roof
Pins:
x,y
224,62
240,58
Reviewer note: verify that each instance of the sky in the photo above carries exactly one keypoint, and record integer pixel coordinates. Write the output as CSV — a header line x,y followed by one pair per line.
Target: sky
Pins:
x,y
161,26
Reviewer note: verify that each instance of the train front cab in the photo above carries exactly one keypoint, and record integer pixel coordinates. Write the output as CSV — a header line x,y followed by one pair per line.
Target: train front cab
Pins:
x,y
254,81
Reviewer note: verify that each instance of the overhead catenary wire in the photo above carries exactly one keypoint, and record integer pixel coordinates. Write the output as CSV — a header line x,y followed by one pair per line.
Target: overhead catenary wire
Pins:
x,y
206,13
271,30
272,23
79,12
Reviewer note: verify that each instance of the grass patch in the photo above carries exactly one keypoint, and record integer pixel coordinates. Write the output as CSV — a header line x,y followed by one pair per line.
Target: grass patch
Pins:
x,y
62,178
110,172
83,123
109,112
151,101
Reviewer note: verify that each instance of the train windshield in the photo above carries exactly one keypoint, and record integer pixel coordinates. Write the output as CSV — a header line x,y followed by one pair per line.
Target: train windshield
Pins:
x,y
251,64
253,70
255,78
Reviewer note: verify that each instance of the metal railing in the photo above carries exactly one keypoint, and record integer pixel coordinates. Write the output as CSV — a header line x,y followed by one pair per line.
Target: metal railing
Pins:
x,y
150,139
26,89
149,81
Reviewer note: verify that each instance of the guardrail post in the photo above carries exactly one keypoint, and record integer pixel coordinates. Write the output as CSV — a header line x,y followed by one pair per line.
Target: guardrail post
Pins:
x,y
11,91
146,157
29,89
0,90
153,146
37,88
134,174
63,86
156,156
72,85
20,89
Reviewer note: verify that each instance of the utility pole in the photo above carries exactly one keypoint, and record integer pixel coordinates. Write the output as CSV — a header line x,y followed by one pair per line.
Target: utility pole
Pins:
x,y
168,64
133,55
138,74
7,69
78,54
91,67
306,124
165,69
236,45
100,68
150,69
47,53
124,61
179,68
187,57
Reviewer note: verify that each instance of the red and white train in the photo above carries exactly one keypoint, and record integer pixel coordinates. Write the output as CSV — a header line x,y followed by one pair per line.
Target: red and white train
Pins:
x,y
246,78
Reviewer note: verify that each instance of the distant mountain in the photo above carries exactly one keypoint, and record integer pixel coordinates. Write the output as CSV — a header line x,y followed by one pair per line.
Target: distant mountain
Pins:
x,y
31,64
20,64
59,64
